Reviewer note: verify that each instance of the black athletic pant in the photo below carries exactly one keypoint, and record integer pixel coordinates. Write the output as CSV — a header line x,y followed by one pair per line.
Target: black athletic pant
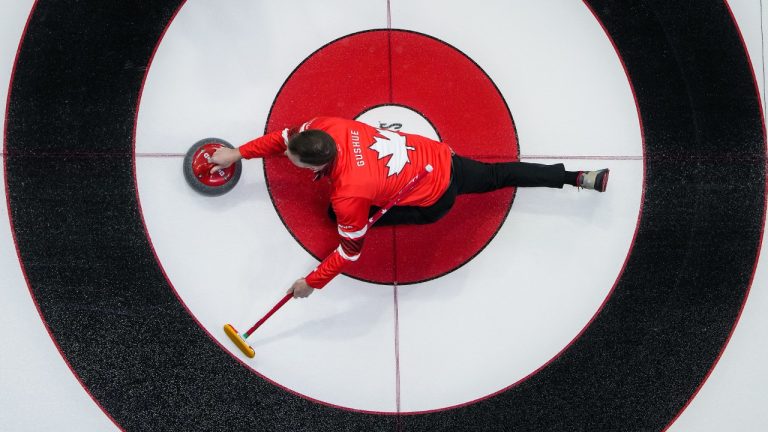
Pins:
x,y
470,176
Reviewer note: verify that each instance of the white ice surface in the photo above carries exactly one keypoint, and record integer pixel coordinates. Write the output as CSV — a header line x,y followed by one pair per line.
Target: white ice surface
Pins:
x,y
34,379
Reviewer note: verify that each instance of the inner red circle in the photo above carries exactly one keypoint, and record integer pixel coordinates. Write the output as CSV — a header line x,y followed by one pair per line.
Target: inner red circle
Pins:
x,y
201,167
379,67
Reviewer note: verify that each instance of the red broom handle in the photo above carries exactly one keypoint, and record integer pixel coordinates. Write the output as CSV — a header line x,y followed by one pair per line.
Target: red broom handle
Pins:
x,y
279,304
403,192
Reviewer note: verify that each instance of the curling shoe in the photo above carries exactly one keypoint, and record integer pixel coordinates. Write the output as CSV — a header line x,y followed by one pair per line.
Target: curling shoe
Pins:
x,y
595,180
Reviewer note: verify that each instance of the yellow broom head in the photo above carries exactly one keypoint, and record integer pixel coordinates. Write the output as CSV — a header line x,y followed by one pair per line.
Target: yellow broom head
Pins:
x,y
238,340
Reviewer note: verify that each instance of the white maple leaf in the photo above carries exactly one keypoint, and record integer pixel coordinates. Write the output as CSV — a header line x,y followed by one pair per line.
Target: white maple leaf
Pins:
x,y
392,144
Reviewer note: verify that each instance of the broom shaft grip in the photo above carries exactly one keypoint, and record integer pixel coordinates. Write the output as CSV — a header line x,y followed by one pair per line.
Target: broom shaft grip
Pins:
x,y
279,304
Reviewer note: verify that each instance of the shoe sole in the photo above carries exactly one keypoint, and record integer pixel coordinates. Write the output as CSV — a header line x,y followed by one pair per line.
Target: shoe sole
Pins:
x,y
603,182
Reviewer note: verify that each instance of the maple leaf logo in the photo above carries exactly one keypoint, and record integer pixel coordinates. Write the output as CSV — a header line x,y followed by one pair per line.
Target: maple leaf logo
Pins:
x,y
392,144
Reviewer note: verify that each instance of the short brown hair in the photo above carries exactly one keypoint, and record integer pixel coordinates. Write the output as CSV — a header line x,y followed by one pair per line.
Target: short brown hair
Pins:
x,y
313,147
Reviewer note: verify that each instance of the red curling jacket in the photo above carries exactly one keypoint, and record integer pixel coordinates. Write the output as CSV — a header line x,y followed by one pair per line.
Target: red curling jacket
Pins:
x,y
371,167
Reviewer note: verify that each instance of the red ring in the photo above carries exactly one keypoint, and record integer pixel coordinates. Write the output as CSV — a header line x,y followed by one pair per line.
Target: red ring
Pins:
x,y
351,75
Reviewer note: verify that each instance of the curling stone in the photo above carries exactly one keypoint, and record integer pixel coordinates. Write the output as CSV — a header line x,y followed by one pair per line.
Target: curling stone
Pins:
x,y
197,168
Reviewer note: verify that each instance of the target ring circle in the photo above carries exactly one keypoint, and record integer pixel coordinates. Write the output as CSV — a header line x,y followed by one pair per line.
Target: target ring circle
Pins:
x,y
349,77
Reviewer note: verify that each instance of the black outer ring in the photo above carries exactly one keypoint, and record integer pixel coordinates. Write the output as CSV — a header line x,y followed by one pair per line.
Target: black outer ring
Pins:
x,y
90,267
197,185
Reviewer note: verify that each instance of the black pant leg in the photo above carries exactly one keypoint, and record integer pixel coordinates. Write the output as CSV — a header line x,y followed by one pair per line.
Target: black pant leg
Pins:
x,y
475,177
402,215
409,215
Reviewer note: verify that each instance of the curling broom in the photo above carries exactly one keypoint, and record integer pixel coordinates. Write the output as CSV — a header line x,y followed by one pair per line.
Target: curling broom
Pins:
x,y
239,339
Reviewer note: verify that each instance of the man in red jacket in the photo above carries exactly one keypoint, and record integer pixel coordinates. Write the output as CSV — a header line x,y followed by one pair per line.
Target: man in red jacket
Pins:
x,y
367,167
